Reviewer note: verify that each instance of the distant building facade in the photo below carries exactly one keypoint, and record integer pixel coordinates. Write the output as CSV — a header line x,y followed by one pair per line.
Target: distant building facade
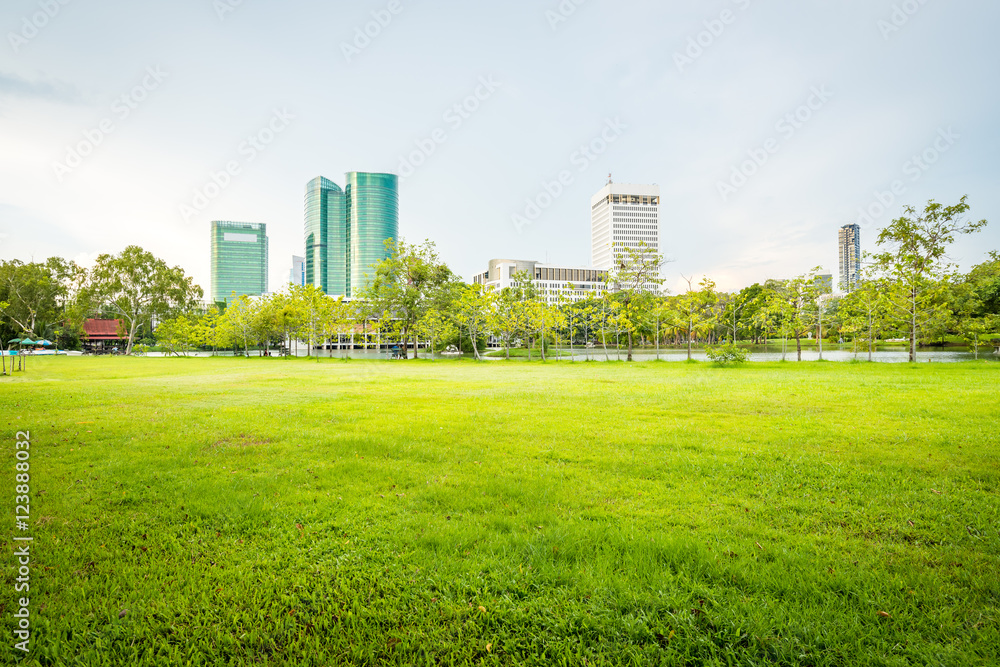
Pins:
x,y
555,284
297,276
239,259
346,229
849,241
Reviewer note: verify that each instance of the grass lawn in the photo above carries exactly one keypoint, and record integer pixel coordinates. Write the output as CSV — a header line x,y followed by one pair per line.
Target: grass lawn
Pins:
x,y
275,511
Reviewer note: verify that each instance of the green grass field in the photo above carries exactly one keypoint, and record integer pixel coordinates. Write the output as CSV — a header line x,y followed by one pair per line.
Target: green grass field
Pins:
x,y
288,512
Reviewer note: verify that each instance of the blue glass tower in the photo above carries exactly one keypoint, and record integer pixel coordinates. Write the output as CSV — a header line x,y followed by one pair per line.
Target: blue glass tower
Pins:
x,y
346,229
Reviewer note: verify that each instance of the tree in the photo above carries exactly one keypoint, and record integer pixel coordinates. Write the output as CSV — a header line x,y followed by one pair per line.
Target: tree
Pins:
x,y
866,309
505,318
694,310
916,259
34,295
435,326
241,320
177,335
406,284
636,280
137,287
802,295
777,312
473,307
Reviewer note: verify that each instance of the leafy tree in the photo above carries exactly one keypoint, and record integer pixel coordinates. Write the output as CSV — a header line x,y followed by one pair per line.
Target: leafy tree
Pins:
x,y
916,259
409,282
474,307
777,313
866,310
34,295
505,318
694,310
636,281
435,326
241,321
802,294
137,286
177,335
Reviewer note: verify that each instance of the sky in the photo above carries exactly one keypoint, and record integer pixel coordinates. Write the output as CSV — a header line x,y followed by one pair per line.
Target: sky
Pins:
x,y
767,125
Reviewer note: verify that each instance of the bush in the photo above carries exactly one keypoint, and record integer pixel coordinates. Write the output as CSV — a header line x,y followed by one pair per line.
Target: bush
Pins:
x,y
728,354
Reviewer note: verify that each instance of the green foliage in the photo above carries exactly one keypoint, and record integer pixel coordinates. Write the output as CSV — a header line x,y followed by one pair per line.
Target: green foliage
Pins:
x,y
915,261
32,298
728,353
408,283
137,286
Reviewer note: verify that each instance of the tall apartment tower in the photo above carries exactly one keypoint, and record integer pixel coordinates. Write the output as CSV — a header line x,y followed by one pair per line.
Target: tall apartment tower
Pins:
x,y
239,259
346,229
850,257
621,216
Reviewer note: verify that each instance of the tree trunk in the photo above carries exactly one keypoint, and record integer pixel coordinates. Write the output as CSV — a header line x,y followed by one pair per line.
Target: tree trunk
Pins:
x,y
629,358
657,338
798,344
819,337
689,341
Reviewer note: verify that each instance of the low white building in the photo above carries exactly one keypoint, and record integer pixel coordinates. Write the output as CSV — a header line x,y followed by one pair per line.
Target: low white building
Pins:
x,y
555,284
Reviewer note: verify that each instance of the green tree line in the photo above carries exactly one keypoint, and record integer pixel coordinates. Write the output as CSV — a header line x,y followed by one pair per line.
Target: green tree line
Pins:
x,y
908,290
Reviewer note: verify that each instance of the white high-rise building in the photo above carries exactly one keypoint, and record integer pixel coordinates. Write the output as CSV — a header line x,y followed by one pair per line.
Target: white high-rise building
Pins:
x,y
621,216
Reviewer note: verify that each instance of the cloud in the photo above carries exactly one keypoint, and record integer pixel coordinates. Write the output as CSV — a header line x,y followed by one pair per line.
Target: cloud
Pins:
x,y
12,85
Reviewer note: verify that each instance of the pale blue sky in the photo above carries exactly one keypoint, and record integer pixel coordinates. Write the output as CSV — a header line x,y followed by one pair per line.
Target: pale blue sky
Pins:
x,y
885,97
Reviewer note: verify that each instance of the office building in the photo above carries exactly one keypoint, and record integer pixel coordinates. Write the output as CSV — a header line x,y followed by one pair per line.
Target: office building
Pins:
x,y
850,257
297,276
622,216
346,229
239,260
555,284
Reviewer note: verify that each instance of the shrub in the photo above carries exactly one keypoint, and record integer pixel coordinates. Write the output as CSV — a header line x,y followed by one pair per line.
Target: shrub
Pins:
x,y
729,353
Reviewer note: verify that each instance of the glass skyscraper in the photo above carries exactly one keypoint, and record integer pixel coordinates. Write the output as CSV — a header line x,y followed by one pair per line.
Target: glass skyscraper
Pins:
x,y
346,229
239,259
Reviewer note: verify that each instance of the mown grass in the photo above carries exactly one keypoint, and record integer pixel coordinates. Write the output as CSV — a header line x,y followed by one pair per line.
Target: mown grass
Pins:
x,y
274,511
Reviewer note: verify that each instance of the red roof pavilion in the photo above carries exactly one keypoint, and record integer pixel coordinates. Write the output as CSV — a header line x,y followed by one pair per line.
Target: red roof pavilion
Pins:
x,y
102,329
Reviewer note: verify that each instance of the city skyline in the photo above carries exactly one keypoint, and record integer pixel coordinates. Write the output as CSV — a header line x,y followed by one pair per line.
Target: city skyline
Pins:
x,y
763,131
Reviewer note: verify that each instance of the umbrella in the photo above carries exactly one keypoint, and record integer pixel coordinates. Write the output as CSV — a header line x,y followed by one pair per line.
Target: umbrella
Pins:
x,y
14,340
27,341
43,342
